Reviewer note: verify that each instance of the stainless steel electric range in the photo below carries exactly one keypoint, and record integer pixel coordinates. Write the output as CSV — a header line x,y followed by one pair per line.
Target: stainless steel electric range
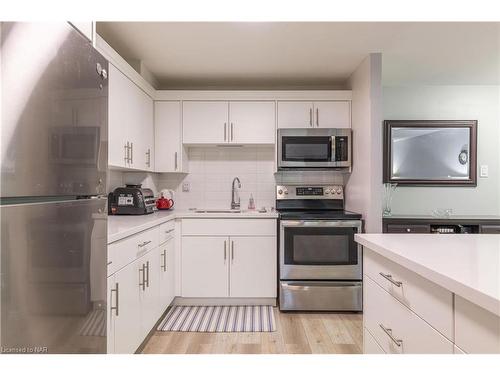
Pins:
x,y
320,263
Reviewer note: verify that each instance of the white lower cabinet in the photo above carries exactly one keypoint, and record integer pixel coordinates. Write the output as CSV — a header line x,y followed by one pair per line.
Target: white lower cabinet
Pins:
x,y
205,266
370,345
396,328
149,291
237,264
166,255
140,290
477,331
253,267
125,310
405,313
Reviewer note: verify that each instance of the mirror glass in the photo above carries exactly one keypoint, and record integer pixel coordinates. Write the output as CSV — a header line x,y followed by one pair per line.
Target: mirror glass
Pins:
x,y
428,153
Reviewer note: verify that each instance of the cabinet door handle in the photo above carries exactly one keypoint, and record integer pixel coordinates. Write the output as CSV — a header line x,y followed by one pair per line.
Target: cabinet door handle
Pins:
x,y
389,278
131,152
126,152
225,131
147,273
232,251
144,243
164,256
317,117
232,132
142,277
148,160
225,252
388,332
175,160
310,117
116,307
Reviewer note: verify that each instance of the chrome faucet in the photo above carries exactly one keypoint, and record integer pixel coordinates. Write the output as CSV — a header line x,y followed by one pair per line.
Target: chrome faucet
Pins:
x,y
235,197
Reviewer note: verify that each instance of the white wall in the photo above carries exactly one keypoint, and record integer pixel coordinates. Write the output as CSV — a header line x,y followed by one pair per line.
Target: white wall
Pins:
x,y
480,103
363,188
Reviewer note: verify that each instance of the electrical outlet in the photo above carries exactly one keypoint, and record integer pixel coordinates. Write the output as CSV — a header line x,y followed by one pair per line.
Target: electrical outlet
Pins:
x,y
483,171
185,186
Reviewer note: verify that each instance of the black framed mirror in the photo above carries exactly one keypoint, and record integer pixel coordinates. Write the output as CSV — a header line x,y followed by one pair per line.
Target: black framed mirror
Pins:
x,y
425,152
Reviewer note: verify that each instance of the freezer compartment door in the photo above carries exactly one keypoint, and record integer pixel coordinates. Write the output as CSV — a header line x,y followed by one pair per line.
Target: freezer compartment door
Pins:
x,y
54,112
53,276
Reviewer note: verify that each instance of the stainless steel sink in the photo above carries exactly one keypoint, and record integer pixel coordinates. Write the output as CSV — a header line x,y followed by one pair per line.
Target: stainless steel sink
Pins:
x,y
218,211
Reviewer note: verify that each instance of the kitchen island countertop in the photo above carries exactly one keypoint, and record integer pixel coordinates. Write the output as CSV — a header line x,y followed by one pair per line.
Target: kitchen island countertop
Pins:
x,y
465,264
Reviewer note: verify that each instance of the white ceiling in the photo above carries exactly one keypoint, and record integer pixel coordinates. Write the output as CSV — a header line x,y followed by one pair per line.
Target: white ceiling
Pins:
x,y
300,54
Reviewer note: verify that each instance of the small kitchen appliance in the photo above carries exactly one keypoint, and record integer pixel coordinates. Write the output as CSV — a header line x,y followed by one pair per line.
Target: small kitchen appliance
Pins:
x,y
131,200
166,200
320,264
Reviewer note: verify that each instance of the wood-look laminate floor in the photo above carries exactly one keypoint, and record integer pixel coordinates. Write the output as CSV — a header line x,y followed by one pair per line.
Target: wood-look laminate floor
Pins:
x,y
296,333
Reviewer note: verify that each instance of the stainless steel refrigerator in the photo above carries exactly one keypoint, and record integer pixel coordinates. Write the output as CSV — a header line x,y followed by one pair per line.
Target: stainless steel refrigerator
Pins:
x,y
53,190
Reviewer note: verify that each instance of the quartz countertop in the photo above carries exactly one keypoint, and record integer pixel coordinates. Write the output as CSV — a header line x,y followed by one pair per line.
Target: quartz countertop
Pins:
x,y
465,264
121,226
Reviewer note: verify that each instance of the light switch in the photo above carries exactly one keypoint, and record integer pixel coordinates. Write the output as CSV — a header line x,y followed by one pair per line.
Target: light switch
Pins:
x,y
185,186
483,171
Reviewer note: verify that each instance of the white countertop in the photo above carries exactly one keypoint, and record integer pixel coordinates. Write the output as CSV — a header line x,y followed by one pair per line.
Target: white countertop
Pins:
x,y
466,264
121,226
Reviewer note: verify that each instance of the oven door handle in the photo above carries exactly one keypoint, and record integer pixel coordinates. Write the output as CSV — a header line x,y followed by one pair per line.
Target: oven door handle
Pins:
x,y
322,224
293,286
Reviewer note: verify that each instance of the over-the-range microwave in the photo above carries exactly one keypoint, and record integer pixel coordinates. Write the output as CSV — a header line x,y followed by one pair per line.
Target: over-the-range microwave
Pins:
x,y
315,148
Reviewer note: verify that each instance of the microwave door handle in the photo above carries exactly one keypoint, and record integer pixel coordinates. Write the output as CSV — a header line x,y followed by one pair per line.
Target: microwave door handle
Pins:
x,y
333,140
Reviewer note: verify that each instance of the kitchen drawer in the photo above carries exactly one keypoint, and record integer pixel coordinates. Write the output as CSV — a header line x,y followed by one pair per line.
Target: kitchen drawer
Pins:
x,y
490,229
411,228
370,345
428,300
476,329
166,231
229,227
123,252
383,310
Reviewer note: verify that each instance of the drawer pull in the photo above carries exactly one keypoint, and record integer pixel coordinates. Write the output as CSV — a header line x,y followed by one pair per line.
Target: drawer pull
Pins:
x,y
389,278
388,332
144,243
169,231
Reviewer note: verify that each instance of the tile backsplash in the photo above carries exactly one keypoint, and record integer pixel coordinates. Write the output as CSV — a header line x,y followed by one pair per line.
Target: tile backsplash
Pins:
x,y
212,170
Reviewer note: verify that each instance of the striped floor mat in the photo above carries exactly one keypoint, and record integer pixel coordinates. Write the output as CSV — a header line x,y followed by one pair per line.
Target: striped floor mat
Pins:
x,y
256,318
95,324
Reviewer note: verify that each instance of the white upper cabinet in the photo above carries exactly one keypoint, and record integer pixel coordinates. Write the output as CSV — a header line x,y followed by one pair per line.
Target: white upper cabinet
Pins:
x,y
130,124
143,157
252,122
319,114
169,155
205,122
295,114
332,114
221,122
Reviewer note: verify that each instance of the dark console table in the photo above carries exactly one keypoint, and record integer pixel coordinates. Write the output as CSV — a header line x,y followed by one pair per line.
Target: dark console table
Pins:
x,y
431,224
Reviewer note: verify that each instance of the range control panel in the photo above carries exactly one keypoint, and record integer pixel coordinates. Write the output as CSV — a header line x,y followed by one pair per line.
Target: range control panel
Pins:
x,y
309,192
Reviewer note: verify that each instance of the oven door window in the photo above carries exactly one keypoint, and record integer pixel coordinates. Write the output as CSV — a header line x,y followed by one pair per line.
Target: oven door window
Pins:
x,y
315,149
320,246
